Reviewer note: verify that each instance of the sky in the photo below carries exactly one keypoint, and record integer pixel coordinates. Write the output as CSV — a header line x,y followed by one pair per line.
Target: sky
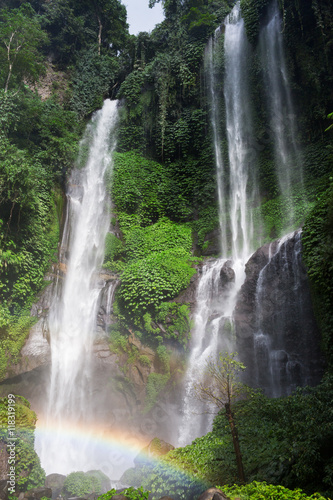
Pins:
x,y
140,17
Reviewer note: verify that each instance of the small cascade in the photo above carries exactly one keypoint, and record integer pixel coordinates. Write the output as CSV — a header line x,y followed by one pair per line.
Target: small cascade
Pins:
x,y
212,333
280,107
110,296
111,290
283,342
72,318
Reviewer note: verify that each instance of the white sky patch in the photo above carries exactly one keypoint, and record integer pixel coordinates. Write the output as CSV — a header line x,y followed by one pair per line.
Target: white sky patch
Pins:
x,y
140,17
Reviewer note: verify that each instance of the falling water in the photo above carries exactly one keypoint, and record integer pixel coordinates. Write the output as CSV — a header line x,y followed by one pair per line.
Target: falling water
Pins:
x,y
220,281
73,314
280,106
211,53
211,319
111,290
239,134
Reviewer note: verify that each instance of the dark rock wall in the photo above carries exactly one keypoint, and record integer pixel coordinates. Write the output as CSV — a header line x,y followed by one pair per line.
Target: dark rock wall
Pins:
x,y
277,335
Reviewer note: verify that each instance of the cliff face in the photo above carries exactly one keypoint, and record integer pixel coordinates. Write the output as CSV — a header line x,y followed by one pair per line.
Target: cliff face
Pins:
x,y
277,335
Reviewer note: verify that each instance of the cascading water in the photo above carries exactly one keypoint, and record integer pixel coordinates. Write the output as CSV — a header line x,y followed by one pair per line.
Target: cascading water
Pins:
x,y
73,314
211,52
242,172
220,281
215,302
280,107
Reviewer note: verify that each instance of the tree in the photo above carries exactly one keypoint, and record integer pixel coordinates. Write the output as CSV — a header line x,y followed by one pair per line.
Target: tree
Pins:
x,y
21,36
222,388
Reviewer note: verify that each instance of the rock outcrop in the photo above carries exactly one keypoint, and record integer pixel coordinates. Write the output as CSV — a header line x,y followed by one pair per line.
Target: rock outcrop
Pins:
x,y
277,336
213,494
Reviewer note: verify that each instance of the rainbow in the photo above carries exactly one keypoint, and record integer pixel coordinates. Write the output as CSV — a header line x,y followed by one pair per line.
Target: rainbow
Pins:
x,y
111,445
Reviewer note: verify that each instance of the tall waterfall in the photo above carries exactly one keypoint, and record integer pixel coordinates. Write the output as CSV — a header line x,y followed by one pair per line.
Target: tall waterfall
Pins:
x,y
242,178
280,106
73,314
220,281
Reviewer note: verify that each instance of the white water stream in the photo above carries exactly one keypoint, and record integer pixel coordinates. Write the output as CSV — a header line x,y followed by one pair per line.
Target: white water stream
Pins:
x,y
280,107
216,299
73,314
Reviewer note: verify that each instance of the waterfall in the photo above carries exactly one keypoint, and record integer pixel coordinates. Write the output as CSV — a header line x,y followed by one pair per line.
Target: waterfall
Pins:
x,y
280,107
73,314
236,181
212,319
285,348
242,178
211,52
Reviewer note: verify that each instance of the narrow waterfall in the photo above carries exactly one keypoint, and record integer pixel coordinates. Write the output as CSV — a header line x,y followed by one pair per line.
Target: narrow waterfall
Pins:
x,y
285,348
73,314
221,280
242,177
280,107
211,52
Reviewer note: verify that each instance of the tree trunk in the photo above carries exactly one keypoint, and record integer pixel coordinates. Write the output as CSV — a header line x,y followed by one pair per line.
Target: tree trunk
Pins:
x,y
99,35
8,77
235,441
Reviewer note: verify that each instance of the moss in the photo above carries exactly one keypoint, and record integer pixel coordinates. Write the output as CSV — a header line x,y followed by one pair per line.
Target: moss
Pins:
x,y
12,338
155,384
144,360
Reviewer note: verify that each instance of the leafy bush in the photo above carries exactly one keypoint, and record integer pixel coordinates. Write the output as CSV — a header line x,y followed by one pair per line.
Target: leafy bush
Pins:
x,y
29,473
113,249
162,236
81,483
176,320
164,479
317,241
130,493
160,276
142,186
264,491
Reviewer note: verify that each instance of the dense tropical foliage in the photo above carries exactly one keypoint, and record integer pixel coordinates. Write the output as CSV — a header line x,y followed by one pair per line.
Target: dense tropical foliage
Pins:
x,y
58,61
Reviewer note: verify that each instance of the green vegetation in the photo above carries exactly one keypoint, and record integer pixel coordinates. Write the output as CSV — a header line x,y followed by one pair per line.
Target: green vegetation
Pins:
x,y
163,189
318,244
156,383
29,473
264,491
130,493
21,36
81,483
39,133
284,441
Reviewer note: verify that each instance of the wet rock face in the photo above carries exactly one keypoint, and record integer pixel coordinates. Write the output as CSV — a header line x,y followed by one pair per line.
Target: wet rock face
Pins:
x,y
277,336
227,274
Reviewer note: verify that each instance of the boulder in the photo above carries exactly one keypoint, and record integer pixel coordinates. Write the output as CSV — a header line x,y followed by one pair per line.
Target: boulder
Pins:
x,y
213,494
38,493
3,489
227,274
156,448
56,483
189,295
